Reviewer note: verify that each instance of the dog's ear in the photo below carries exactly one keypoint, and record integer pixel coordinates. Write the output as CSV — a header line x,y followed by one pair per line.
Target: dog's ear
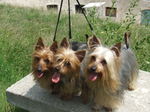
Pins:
x,y
54,46
93,42
86,36
117,48
127,34
80,54
40,44
127,38
64,43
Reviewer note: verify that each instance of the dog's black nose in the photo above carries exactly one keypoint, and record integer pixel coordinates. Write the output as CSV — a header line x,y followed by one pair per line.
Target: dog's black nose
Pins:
x,y
39,68
56,69
93,69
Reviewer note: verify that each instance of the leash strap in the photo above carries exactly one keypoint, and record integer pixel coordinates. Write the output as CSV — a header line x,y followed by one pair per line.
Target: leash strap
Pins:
x,y
91,28
58,19
69,18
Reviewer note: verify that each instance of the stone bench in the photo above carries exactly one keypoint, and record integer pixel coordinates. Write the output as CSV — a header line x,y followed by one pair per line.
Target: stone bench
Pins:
x,y
28,95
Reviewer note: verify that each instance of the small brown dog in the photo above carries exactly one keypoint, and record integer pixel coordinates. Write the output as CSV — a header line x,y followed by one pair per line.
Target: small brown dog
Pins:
x,y
42,65
67,69
108,72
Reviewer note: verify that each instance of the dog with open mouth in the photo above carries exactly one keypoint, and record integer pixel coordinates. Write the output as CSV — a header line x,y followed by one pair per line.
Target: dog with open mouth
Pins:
x,y
107,73
67,70
42,64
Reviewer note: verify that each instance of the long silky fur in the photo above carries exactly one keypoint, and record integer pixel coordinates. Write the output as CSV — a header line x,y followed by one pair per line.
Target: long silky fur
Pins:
x,y
119,74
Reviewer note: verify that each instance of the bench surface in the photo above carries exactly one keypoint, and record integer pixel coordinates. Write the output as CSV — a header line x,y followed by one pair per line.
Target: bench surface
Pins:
x,y
28,95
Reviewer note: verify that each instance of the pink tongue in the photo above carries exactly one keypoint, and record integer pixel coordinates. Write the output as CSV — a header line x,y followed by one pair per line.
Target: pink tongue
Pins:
x,y
93,77
40,75
56,78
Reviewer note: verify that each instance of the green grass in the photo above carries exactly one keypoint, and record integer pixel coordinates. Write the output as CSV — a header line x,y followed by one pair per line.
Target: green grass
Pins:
x,y
21,27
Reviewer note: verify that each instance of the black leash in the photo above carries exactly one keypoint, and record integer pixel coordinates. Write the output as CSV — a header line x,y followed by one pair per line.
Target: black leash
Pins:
x,y
70,33
69,17
58,19
85,16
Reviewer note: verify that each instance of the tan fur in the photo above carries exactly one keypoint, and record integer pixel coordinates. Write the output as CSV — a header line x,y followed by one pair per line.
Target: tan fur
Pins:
x,y
67,63
67,55
44,54
44,57
71,72
102,88
106,74
133,81
106,64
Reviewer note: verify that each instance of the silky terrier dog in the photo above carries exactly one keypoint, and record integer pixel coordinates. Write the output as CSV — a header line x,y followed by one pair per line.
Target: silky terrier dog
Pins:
x,y
107,73
67,69
42,65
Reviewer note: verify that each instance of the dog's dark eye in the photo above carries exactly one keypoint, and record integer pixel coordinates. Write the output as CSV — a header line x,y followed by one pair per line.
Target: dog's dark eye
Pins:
x,y
59,60
93,58
47,61
103,62
67,63
36,59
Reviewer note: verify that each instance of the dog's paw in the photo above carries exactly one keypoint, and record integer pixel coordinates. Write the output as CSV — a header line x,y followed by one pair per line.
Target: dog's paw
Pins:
x,y
54,92
107,109
66,97
85,102
85,99
131,87
95,108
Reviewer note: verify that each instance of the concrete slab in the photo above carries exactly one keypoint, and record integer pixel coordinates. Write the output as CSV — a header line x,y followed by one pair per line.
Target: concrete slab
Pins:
x,y
28,95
